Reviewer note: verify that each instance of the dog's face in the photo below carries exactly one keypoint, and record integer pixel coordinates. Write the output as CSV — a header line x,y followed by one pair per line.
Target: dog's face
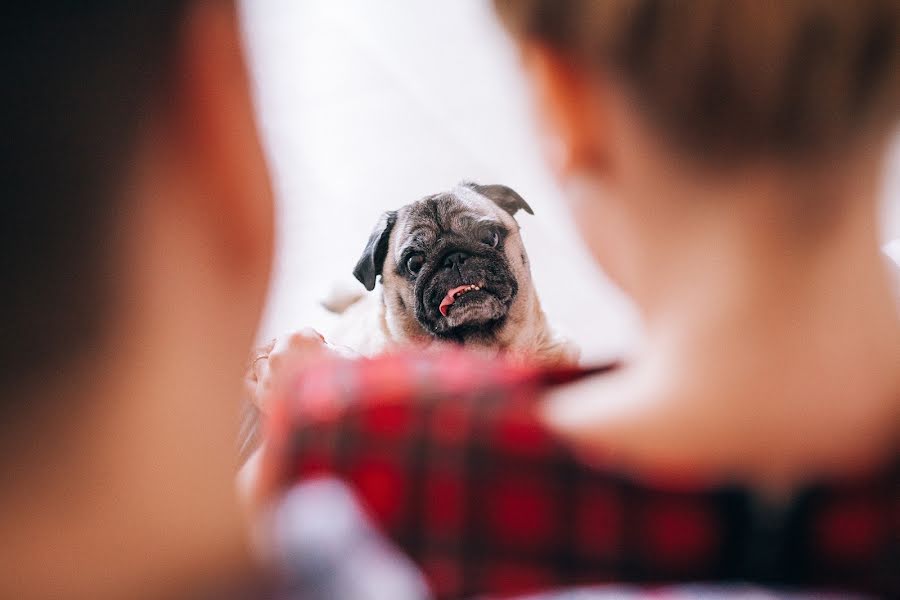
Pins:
x,y
452,265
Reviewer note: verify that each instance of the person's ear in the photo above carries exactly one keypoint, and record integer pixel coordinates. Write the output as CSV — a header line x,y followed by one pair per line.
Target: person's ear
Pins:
x,y
570,110
371,263
215,120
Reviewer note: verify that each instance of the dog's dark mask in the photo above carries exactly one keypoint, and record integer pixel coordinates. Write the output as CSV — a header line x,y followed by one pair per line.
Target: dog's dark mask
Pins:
x,y
453,259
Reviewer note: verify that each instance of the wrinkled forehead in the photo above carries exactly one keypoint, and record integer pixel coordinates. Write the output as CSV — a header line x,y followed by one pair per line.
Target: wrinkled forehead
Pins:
x,y
461,211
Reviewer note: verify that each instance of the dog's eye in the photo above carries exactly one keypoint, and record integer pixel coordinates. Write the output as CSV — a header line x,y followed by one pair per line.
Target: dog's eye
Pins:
x,y
491,238
414,263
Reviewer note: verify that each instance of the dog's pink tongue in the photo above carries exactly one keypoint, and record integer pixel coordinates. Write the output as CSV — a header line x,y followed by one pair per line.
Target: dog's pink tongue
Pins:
x,y
450,298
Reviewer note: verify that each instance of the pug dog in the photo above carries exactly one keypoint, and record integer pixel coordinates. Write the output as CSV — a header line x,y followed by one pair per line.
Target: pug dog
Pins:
x,y
453,270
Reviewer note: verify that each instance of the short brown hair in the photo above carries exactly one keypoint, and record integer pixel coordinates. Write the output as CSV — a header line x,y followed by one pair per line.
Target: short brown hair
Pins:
x,y
736,78
78,82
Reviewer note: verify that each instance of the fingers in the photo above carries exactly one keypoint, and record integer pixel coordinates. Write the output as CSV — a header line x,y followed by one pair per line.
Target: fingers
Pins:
x,y
308,333
306,340
271,359
259,354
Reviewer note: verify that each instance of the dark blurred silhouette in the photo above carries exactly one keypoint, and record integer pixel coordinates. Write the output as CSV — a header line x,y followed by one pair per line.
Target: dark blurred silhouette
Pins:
x,y
136,244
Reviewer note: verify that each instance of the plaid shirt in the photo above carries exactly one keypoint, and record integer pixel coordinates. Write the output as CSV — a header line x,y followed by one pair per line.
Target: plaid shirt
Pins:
x,y
449,459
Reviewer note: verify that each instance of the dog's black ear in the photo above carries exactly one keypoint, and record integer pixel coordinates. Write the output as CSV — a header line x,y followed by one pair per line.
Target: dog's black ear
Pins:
x,y
372,260
504,197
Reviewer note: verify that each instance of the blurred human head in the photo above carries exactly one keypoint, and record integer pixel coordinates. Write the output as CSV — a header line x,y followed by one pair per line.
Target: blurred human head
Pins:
x,y
641,96
136,248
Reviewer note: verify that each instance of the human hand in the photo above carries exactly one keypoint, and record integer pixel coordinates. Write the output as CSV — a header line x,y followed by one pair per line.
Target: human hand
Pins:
x,y
269,360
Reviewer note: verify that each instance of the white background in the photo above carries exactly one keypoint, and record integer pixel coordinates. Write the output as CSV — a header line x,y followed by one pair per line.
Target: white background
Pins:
x,y
366,106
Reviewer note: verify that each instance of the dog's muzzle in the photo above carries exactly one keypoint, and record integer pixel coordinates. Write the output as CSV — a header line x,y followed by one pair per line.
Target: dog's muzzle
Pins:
x,y
465,293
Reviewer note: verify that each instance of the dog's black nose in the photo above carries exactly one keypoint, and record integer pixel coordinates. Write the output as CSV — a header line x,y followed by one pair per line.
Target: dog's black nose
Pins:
x,y
455,259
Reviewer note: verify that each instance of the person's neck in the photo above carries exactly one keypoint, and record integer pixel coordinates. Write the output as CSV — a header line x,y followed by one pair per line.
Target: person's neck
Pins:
x,y
772,346
796,324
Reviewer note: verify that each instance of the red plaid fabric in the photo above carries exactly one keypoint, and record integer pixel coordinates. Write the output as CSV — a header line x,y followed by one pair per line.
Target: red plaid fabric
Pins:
x,y
450,460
